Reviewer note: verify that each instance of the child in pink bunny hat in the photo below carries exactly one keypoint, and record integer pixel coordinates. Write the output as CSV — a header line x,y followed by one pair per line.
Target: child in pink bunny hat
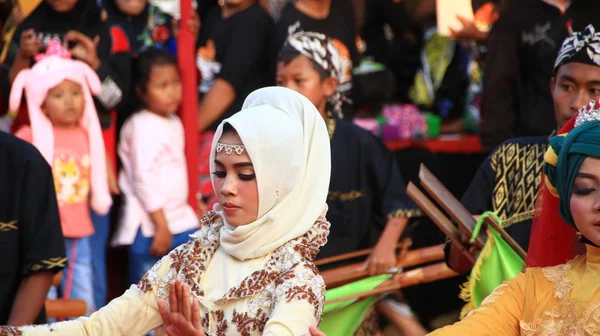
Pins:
x,y
66,130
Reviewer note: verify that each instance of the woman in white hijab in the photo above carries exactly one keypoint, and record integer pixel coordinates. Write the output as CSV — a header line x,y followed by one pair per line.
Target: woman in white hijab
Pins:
x,y
249,268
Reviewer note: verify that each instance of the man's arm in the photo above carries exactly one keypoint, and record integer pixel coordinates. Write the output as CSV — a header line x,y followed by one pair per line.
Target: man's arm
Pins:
x,y
30,298
218,99
40,237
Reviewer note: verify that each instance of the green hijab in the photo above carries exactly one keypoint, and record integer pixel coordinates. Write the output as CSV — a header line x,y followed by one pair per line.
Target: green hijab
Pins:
x,y
571,150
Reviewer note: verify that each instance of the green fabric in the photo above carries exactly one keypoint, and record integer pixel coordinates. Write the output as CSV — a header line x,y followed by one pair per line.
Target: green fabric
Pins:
x,y
497,263
434,124
343,318
583,141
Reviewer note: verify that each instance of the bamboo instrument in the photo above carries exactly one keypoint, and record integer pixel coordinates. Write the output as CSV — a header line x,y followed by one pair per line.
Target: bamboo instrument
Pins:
x,y
437,217
449,203
65,308
417,276
490,221
356,254
346,274
460,214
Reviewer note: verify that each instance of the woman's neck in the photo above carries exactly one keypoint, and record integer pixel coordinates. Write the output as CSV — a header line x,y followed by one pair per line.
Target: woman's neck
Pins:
x,y
229,10
316,9
592,254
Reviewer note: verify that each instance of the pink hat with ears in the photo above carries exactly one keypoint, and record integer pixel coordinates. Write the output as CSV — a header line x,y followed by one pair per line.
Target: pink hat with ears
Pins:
x,y
53,68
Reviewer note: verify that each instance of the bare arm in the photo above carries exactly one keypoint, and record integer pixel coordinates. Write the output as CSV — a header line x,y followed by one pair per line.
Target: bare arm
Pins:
x,y
30,298
384,257
220,96
161,244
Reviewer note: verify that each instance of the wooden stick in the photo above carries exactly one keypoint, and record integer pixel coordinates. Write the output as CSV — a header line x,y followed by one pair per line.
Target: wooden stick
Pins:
x,y
437,217
449,203
350,273
490,221
414,277
355,254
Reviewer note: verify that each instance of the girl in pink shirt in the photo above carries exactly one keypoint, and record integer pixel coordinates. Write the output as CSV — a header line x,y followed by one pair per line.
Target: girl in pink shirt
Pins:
x,y
65,129
156,216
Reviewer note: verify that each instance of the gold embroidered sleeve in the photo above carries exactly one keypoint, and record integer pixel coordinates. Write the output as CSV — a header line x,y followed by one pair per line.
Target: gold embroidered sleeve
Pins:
x,y
499,314
299,299
50,264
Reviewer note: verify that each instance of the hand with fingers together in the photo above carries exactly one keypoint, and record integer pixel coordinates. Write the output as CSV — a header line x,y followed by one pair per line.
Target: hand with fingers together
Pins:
x,y
182,317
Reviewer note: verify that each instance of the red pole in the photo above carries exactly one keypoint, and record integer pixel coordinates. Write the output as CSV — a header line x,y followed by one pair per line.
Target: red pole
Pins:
x,y
186,52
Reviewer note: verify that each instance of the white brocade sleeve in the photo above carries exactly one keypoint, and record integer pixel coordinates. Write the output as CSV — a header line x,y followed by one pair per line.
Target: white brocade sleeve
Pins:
x,y
299,302
129,314
133,313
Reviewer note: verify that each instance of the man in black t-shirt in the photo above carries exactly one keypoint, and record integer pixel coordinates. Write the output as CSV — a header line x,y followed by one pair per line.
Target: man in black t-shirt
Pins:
x,y
333,18
233,58
522,47
31,240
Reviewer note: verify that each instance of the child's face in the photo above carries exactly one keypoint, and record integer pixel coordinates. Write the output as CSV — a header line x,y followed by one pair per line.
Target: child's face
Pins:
x,y
131,7
301,76
163,90
64,104
63,6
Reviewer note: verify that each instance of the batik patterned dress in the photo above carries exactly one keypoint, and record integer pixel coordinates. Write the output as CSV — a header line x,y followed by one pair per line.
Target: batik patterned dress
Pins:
x,y
284,295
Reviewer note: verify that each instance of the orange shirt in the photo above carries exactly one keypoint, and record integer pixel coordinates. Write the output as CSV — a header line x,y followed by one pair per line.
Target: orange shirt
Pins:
x,y
71,171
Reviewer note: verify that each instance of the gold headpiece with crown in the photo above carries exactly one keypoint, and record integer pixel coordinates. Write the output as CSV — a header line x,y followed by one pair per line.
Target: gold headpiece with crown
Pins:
x,y
588,112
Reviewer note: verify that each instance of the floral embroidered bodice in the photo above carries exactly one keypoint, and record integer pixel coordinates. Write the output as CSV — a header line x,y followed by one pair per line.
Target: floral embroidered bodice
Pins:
x,y
288,275
550,301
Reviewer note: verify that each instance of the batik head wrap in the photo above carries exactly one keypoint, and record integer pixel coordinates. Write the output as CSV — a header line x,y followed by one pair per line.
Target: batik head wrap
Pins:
x,y
320,49
567,152
580,47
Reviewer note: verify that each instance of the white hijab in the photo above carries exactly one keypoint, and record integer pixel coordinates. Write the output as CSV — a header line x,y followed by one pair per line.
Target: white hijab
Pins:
x,y
288,144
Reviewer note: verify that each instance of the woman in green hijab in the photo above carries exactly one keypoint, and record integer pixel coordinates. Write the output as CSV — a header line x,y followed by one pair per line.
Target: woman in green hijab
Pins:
x,y
563,299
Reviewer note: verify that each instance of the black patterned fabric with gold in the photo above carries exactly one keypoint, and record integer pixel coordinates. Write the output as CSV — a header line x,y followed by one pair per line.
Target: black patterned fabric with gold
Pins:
x,y
507,183
31,238
366,189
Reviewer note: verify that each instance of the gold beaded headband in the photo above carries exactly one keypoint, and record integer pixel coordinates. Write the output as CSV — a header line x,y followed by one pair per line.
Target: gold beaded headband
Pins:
x,y
238,149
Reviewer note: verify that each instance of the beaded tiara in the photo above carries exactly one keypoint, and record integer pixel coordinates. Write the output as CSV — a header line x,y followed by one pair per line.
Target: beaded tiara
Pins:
x,y
588,112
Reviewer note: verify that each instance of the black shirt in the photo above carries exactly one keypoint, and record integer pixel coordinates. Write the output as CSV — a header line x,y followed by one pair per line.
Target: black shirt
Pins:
x,y
113,50
236,49
522,47
31,239
365,190
507,183
402,54
339,25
